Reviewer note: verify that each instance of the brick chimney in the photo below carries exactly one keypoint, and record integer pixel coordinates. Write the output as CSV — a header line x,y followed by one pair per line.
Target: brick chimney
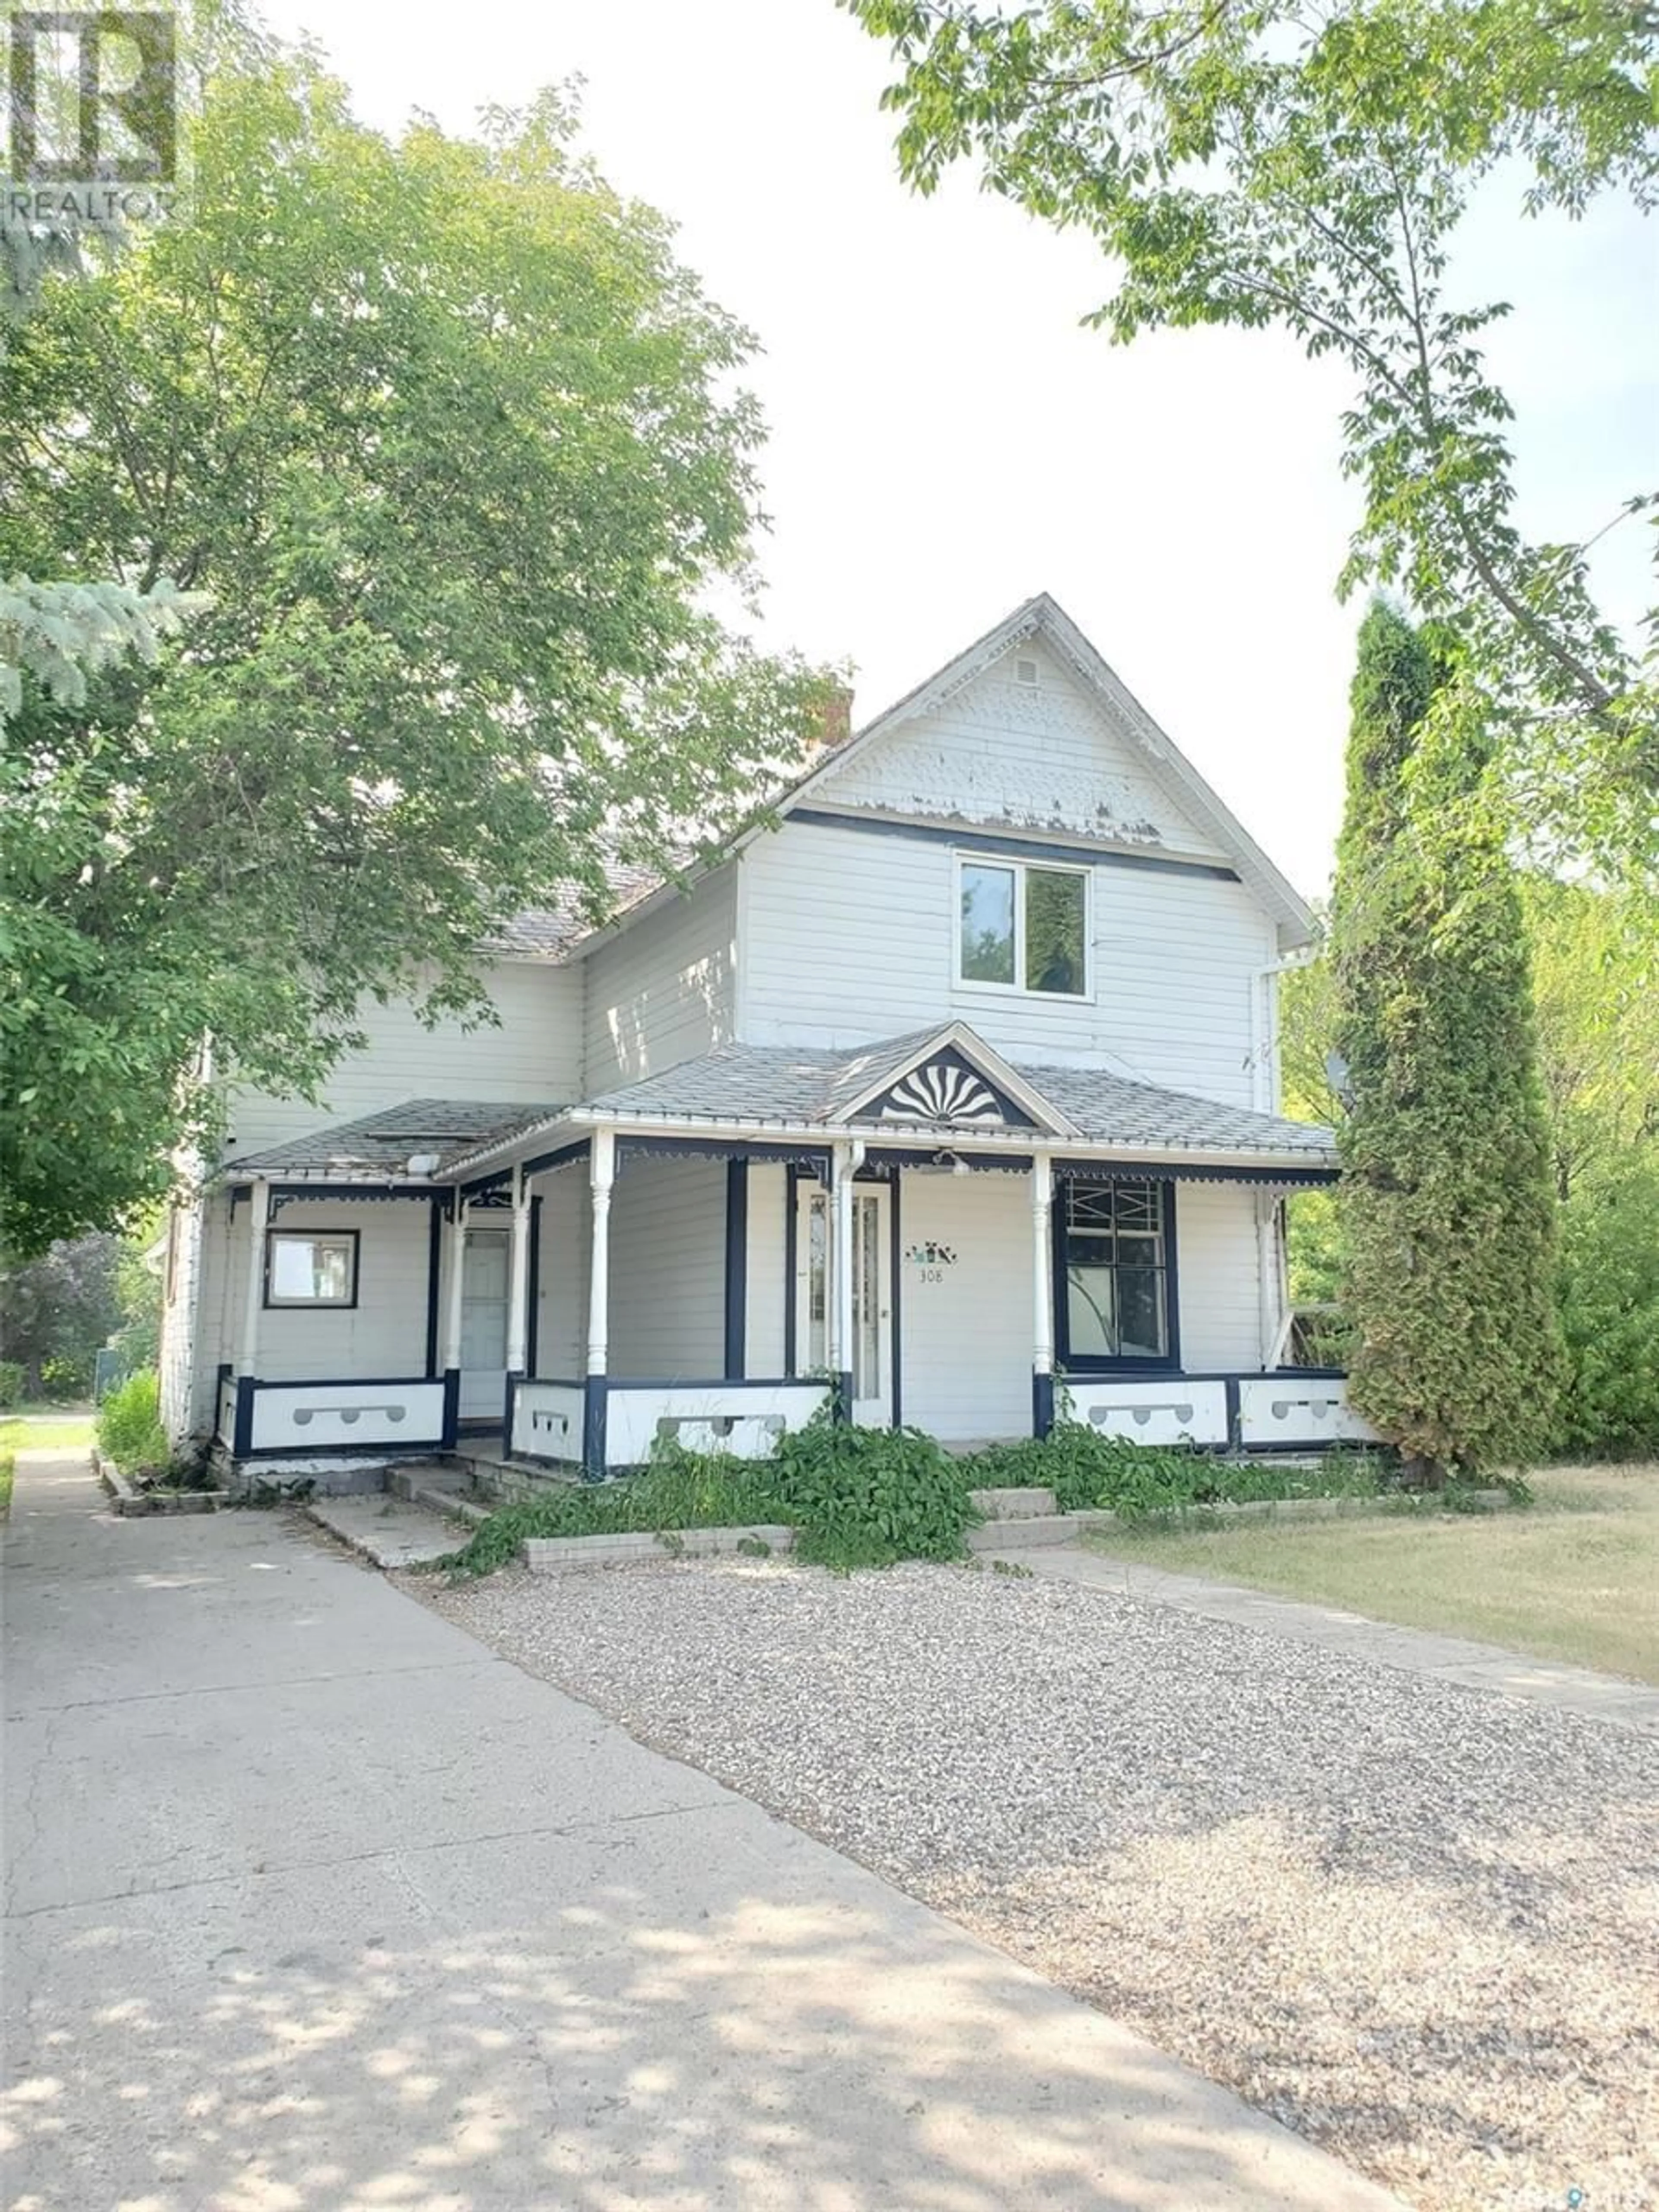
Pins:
x,y
836,725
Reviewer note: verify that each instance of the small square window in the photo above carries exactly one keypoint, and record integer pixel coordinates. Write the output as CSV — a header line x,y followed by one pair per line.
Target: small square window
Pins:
x,y
308,1267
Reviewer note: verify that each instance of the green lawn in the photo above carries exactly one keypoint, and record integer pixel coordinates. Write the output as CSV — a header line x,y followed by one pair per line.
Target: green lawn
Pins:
x,y
1575,1577
18,1432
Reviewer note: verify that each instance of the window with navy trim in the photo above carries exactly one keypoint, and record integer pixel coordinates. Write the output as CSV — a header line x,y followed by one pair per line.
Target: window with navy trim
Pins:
x,y
1114,1273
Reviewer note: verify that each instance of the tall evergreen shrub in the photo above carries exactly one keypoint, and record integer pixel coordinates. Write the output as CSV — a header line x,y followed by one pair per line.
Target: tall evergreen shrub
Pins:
x,y
1446,1199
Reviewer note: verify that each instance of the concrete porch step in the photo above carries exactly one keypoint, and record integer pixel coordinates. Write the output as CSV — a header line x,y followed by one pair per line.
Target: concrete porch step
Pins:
x,y
387,1531
440,1489
1014,1505
1027,1533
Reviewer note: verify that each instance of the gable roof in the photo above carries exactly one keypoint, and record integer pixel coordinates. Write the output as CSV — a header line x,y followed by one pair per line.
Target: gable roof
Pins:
x,y
1042,616
559,934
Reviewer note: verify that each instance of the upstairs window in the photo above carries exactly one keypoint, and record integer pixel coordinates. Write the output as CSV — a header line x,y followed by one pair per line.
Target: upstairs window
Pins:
x,y
1022,928
303,1268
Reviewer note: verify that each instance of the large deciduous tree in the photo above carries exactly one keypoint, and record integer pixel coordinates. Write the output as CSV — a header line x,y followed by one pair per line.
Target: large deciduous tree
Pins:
x,y
1446,1201
449,447
1253,163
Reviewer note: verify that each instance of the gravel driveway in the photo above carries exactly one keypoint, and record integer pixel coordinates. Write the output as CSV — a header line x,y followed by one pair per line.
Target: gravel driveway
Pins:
x,y
1418,1923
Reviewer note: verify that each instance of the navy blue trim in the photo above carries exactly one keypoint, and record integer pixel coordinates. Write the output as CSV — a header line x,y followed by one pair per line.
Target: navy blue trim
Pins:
x,y
1019,848
226,1369
311,1305
533,1288
709,1382
496,1182
350,1451
816,1157
242,1433
290,1194
737,1267
895,1339
338,1381
595,1390
1234,1411
451,1407
842,1403
1180,1171
880,1160
1088,1363
560,1157
435,1246
514,1376
1042,1405
792,1183
951,1058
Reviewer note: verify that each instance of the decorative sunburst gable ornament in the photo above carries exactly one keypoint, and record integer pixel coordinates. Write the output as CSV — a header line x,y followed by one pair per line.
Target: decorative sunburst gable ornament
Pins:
x,y
948,1089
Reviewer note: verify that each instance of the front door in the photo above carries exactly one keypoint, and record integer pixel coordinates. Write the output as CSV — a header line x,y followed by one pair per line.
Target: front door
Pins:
x,y
484,1262
872,1351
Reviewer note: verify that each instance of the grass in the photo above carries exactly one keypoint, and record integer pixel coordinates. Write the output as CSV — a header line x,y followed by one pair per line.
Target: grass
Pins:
x,y
1574,1578
18,1433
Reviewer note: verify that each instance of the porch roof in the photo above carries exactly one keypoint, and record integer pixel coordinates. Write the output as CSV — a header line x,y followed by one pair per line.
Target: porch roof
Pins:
x,y
382,1147
799,1089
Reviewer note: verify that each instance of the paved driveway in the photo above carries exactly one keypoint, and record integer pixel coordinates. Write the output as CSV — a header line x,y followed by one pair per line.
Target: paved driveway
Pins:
x,y
317,1906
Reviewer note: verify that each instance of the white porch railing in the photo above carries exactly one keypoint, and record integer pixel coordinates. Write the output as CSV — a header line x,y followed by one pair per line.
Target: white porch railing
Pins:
x,y
1292,1411
547,1421
312,1417
1177,1412
744,1418
1298,1410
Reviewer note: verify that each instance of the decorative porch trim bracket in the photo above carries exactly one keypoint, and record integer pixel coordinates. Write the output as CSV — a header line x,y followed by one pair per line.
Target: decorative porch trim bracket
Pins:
x,y
601,1176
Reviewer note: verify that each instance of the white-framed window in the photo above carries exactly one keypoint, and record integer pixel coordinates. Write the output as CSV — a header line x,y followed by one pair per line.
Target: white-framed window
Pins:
x,y
1022,926
311,1267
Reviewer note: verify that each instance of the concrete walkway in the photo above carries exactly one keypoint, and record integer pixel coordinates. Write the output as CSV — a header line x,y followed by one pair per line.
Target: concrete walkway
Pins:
x,y
1447,1658
316,1906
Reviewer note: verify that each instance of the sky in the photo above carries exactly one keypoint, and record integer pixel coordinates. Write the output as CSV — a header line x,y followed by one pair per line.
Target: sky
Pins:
x,y
946,440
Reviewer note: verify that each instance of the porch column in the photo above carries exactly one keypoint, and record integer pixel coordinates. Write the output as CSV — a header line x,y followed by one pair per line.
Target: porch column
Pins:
x,y
247,1366
449,1354
518,1277
1042,1296
846,1159
601,1174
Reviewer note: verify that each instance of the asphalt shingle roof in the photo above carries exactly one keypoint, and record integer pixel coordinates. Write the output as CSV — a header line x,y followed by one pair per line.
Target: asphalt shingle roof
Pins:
x,y
384,1143
780,1082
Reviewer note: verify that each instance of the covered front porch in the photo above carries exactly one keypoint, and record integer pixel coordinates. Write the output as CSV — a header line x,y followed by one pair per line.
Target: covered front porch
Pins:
x,y
915,1234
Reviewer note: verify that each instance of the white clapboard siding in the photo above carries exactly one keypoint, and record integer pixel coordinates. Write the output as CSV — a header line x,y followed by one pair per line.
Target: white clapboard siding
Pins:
x,y
768,1288
1032,757
383,1335
965,1322
850,936
668,1270
662,991
562,1329
534,1056
1219,1281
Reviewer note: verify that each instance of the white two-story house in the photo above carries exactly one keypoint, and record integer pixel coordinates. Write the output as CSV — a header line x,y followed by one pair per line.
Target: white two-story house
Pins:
x,y
951,1089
